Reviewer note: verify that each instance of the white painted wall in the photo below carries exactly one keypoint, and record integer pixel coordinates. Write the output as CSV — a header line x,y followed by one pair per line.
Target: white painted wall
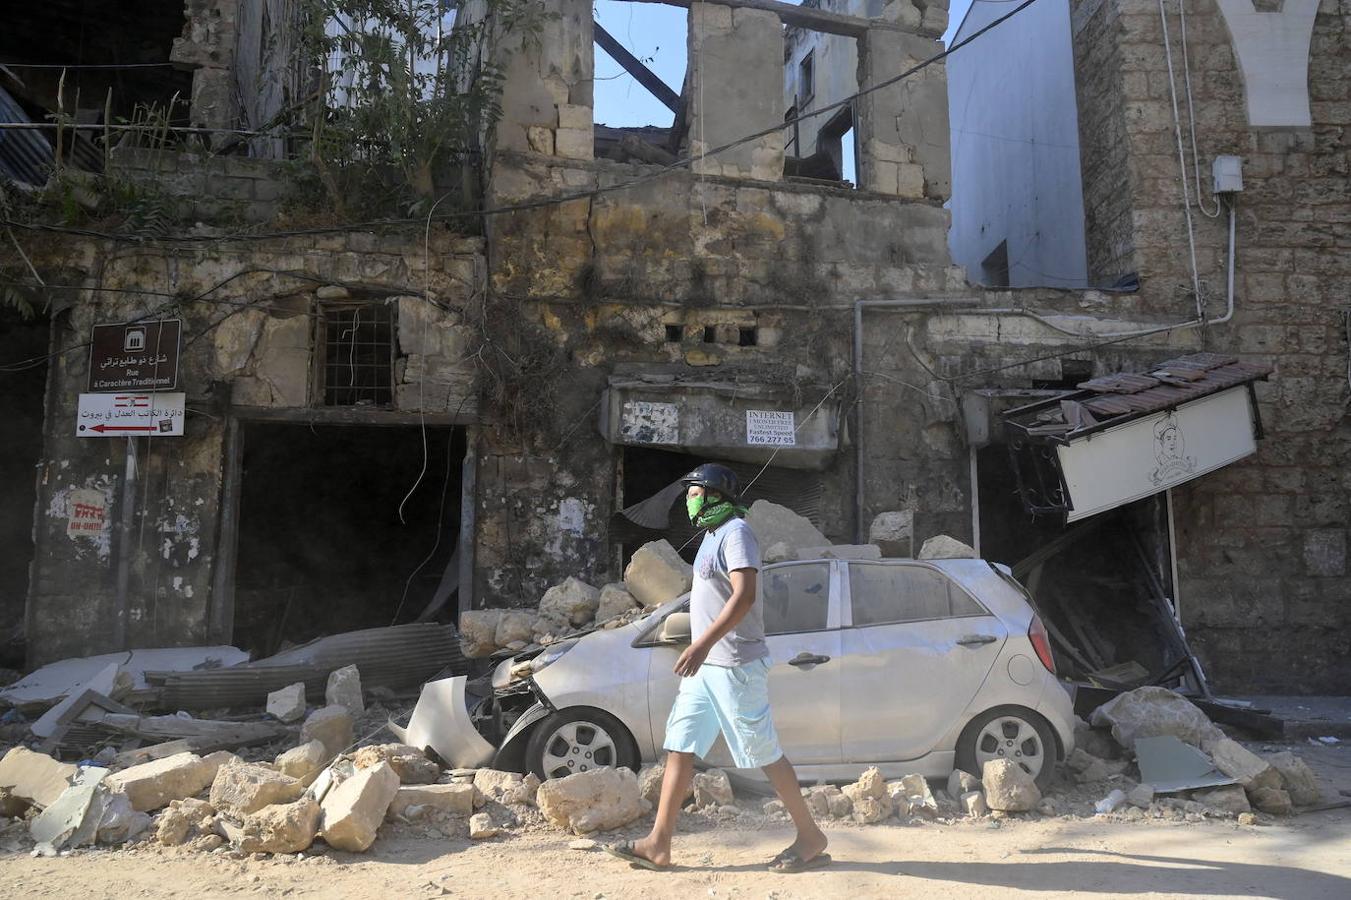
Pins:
x,y
1015,146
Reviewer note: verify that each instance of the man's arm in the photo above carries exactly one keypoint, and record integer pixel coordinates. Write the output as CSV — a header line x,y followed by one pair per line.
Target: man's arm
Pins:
x,y
733,611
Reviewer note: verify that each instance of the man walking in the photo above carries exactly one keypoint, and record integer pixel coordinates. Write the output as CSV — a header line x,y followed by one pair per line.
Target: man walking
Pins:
x,y
724,678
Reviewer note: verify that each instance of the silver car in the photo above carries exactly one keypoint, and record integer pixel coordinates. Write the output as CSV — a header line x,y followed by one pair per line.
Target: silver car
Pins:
x,y
911,666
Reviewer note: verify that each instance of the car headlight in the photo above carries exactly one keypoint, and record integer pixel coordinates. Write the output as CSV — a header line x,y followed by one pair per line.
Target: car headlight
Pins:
x,y
551,655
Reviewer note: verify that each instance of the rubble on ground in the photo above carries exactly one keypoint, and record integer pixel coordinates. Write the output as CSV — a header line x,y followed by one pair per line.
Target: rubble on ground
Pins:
x,y
1008,788
287,704
598,800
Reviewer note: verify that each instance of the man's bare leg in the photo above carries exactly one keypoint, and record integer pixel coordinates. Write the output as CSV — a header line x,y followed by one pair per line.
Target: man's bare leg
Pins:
x,y
675,786
811,841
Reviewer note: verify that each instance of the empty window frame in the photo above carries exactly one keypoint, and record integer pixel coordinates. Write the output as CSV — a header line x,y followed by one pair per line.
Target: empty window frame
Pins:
x,y
356,342
806,78
882,594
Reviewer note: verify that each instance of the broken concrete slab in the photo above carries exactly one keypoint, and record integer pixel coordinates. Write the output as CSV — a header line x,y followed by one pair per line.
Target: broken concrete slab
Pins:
x,y
408,763
656,574
353,811
450,799
775,524
1008,788
712,788
1153,712
1298,779
894,533
615,601
841,551
942,546
599,800
284,828
60,821
242,788
332,726
287,704
152,785
344,689
34,778
1241,764
303,763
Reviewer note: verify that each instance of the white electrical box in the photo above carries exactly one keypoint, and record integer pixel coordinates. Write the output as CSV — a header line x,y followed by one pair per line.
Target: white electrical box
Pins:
x,y
1228,174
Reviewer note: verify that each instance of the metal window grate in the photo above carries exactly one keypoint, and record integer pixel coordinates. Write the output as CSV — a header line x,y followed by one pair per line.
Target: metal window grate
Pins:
x,y
358,363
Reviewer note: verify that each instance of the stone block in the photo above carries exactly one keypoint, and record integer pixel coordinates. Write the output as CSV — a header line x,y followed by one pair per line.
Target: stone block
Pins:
x,y
1229,800
942,546
506,787
869,799
152,785
284,828
450,799
344,689
540,139
1325,552
775,524
574,143
33,778
599,800
574,117
572,603
1154,712
1298,779
330,726
656,574
478,632
287,704
1272,800
1238,762
183,817
409,763
615,600
962,782
514,625
303,763
1008,788
243,788
353,811
974,805
1140,796
712,789
481,827
894,533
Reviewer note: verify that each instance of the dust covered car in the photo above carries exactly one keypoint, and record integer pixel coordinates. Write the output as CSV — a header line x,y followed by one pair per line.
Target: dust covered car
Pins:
x,y
908,665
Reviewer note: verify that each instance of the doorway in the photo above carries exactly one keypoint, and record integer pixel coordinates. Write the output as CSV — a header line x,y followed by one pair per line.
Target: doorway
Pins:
x,y
343,527
23,385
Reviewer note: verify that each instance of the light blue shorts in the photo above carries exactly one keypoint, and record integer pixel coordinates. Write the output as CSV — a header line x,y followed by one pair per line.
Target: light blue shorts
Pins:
x,y
734,701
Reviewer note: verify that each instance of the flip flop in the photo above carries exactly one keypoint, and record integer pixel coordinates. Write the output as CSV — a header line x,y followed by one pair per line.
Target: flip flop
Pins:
x,y
626,852
790,862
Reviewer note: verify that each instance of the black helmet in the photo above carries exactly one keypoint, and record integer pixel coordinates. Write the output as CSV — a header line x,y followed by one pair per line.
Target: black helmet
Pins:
x,y
715,478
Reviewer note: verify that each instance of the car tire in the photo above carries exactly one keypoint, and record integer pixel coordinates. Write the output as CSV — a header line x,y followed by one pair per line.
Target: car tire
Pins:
x,y
579,740
1009,732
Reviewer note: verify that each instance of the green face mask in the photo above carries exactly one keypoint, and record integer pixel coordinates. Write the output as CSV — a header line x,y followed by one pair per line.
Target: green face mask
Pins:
x,y
694,506
704,514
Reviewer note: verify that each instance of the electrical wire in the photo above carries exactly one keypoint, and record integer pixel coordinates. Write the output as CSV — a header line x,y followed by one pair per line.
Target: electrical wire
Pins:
x,y
1182,162
1191,116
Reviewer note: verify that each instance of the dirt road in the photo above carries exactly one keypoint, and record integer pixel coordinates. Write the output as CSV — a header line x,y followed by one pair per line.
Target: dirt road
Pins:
x,y
1308,858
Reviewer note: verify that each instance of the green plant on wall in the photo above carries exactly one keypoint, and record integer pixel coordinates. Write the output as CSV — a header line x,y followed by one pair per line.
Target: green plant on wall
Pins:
x,y
405,95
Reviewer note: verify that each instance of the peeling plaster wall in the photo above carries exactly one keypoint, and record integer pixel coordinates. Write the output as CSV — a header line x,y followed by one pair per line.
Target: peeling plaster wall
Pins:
x,y
247,344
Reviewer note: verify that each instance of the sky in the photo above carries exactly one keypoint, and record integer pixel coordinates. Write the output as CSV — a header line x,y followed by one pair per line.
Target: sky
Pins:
x,y
656,35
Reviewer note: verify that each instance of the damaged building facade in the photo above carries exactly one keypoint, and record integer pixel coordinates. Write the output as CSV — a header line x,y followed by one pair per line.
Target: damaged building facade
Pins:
x,y
379,419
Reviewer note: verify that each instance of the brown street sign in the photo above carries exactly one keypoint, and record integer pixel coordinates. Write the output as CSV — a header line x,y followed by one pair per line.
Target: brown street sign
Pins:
x,y
135,356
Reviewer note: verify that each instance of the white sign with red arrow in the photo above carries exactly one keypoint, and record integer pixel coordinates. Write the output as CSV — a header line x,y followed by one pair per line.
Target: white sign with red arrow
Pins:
x,y
131,415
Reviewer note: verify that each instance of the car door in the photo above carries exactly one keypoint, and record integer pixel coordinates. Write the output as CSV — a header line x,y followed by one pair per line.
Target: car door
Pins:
x,y
802,610
917,648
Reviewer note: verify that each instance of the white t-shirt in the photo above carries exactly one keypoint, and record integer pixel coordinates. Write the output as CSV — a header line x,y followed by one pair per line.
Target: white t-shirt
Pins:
x,y
730,546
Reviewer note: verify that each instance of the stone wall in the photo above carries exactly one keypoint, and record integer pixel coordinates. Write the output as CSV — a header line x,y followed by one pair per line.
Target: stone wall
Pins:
x,y
1261,545
204,187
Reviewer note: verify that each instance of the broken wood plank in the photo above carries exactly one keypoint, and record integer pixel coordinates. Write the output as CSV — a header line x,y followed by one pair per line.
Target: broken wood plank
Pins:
x,y
800,16
634,66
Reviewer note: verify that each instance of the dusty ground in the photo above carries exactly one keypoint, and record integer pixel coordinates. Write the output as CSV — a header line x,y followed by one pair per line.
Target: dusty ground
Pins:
x,y
1307,856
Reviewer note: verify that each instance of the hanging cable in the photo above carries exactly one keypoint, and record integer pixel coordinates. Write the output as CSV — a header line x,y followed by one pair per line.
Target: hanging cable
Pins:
x,y
1191,116
1182,163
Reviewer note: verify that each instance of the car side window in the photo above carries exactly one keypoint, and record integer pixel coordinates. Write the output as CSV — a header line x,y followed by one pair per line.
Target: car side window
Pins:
x,y
796,598
883,594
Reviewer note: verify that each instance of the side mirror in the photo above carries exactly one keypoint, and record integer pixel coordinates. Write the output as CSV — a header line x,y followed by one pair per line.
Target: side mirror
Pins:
x,y
675,629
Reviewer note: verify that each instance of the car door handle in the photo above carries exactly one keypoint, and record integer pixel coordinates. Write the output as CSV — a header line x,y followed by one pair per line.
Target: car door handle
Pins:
x,y
975,640
808,659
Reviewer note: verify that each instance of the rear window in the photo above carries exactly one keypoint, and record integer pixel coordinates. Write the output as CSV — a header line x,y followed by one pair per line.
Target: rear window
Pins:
x,y
883,594
796,598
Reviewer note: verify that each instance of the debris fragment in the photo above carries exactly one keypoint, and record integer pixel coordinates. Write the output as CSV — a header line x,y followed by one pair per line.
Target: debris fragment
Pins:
x,y
506,787
1111,803
962,782
242,788
1170,765
303,763
58,823
615,600
598,800
942,546
869,798
33,778
656,574
151,786
1271,800
478,632
344,689
451,799
353,811
287,704
481,827
1140,796
182,820
1229,800
974,805
774,524
331,726
282,828
1299,779
567,605
1242,765
1008,788
712,788
1153,712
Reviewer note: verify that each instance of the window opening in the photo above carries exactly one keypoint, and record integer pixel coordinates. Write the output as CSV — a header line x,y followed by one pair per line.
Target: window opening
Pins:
x,y
806,78
747,337
883,594
710,334
358,354
640,72
796,598
675,334
994,269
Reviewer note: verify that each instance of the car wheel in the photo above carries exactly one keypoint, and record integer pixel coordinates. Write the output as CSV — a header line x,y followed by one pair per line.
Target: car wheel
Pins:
x,y
1012,733
579,740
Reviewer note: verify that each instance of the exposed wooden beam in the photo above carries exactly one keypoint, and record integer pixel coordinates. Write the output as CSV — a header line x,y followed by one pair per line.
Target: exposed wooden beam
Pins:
x,y
634,66
801,16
